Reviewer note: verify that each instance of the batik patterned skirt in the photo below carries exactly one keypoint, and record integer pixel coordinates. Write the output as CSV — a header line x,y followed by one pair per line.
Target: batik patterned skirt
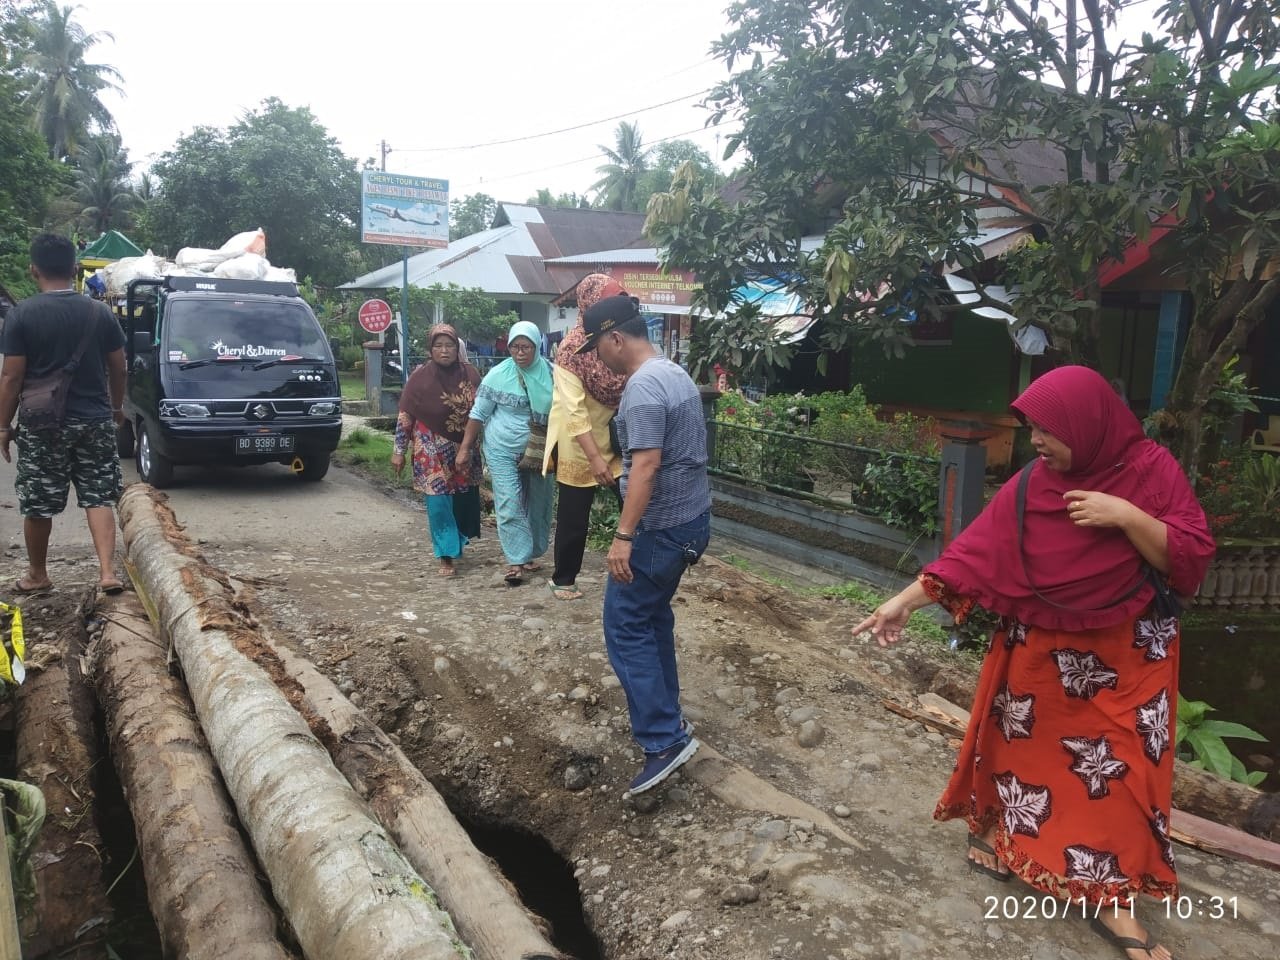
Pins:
x,y
1069,753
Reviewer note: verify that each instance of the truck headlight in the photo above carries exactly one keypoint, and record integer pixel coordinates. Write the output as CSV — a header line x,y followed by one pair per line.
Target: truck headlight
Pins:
x,y
326,409
191,410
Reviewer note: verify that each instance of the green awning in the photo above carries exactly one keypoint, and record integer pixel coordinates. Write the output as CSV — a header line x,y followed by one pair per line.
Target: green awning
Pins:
x,y
112,245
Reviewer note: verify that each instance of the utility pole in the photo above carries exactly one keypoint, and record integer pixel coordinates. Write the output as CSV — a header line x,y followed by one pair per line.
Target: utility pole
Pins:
x,y
404,290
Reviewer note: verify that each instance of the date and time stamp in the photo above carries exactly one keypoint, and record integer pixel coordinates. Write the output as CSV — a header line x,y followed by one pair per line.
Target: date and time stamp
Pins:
x,y
1032,907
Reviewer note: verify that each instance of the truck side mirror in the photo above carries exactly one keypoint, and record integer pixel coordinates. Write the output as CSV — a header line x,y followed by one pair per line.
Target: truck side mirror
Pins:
x,y
143,341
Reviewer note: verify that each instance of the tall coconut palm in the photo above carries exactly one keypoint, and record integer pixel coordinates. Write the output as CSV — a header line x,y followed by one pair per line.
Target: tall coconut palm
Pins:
x,y
619,187
65,86
102,183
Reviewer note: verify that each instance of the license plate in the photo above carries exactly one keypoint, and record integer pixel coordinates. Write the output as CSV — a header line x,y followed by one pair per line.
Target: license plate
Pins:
x,y
265,443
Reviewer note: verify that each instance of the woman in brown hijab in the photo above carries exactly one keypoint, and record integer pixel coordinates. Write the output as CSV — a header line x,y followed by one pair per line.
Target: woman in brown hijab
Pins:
x,y
585,399
432,418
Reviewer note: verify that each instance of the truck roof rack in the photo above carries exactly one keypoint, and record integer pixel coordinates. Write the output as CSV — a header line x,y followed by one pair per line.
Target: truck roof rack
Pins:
x,y
218,285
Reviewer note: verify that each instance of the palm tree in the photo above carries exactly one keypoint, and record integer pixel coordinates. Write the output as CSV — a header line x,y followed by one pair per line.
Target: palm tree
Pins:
x,y
102,182
619,187
65,88
145,189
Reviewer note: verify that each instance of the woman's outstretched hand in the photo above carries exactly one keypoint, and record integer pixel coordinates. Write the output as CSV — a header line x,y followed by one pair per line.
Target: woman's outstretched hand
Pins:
x,y
886,621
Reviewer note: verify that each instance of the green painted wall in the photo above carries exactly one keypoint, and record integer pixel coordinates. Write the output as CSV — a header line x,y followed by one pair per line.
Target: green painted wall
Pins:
x,y
975,372
1126,350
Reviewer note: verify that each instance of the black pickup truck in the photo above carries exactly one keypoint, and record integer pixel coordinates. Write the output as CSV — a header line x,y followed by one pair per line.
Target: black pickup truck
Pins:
x,y
229,372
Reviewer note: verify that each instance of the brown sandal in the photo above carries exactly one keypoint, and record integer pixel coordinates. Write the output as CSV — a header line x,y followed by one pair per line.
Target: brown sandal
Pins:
x,y
564,592
447,569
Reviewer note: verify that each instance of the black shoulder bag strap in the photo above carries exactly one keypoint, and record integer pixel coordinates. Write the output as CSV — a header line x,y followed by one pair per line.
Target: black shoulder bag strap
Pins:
x,y
1147,570
76,357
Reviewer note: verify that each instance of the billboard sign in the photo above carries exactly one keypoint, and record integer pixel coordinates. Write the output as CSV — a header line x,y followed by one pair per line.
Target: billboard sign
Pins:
x,y
402,210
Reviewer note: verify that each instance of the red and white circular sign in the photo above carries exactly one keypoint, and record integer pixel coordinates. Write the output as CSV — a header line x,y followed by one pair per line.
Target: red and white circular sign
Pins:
x,y
375,315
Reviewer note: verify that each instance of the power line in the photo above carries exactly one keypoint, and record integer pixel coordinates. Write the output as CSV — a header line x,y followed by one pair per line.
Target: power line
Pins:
x,y
566,163
552,133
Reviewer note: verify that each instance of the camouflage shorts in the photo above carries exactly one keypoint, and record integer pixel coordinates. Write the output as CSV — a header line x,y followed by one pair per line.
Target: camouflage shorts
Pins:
x,y
49,461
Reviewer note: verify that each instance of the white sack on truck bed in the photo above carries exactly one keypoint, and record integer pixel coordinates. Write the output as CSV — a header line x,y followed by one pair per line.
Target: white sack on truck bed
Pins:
x,y
247,266
243,257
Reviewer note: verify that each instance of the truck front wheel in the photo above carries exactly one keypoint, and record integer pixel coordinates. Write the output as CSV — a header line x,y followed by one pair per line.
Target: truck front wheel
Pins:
x,y
153,467
124,440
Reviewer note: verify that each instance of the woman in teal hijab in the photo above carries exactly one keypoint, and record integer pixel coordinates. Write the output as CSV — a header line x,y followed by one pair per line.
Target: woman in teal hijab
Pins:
x,y
513,393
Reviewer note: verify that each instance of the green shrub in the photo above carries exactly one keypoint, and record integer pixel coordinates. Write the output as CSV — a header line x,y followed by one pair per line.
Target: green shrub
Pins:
x,y
901,492
349,355
882,482
1200,742
1240,494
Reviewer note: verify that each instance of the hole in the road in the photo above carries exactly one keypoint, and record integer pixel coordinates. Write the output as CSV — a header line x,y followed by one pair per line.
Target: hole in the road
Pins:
x,y
544,880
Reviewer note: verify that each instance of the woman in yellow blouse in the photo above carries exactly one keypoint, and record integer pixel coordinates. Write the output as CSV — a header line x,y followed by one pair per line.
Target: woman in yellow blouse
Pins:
x,y
585,399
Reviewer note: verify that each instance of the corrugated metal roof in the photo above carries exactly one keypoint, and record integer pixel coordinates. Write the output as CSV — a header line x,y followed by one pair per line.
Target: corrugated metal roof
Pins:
x,y
507,260
626,255
479,260
584,231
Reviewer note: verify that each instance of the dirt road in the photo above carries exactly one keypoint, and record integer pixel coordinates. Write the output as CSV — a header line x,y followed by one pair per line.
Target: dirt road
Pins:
x,y
801,831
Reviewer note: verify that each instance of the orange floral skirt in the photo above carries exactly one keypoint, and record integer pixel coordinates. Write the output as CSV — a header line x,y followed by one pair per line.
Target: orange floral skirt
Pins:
x,y
1069,753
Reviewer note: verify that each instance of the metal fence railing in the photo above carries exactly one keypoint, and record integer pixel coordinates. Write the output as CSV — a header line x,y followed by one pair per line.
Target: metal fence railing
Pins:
x,y
900,489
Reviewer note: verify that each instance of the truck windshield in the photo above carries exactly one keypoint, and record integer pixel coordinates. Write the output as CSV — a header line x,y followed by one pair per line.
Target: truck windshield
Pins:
x,y
249,330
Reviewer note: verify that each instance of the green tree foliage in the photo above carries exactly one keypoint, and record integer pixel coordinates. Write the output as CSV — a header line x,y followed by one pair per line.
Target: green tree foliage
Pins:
x,y
891,128
622,177
28,180
545,198
470,311
102,183
667,158
277,168
65,85
471,214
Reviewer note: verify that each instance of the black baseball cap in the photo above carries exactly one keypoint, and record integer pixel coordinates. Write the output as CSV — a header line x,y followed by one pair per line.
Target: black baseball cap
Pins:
x,y
608,314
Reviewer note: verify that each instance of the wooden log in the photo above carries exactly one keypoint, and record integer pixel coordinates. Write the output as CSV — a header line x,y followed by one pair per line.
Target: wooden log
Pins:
x,y
1232,804
488,914
56,751
937,723
944,709
202,881
345,888
1225,841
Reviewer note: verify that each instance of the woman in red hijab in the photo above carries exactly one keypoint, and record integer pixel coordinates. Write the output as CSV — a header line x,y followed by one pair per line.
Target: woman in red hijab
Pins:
x,y
1065,776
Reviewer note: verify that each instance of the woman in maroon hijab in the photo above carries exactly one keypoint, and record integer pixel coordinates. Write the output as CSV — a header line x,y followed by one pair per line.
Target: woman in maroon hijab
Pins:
x,y
1065,776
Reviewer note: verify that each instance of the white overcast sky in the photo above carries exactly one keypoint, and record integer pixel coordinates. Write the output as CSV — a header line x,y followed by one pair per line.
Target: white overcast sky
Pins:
x,y
424,75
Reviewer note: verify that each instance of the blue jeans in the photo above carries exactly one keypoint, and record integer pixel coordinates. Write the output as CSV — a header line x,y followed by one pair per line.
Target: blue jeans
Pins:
x,y
639,629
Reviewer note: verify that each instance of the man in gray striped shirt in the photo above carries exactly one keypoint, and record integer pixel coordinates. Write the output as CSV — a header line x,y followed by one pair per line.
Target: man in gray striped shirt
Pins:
x,y
664,527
